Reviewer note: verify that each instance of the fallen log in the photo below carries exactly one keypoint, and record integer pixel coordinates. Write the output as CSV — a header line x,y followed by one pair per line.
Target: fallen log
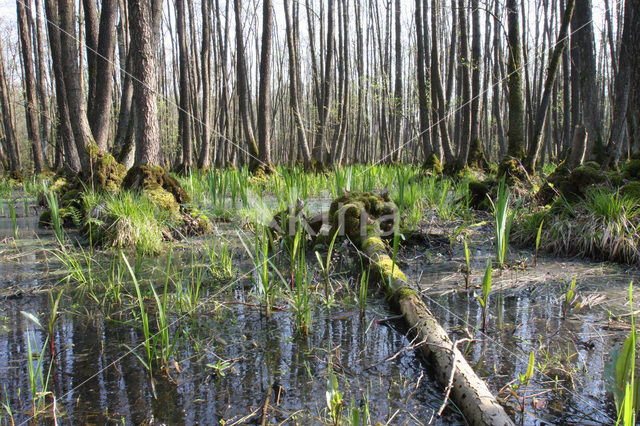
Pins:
x,y
469,393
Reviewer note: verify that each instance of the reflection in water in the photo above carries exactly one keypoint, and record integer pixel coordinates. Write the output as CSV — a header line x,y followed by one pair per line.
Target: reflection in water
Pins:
x,y
95,381
529,319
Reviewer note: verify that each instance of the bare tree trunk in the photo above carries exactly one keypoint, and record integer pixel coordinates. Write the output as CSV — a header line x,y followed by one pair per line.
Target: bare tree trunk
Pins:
x,y
10,140
204,159
320,149
33,128
91,34
141,19
121,150
293,45
475,74
72,83
628,50
64,130
99,107
465,109
243,89
397,98
422,86
437,95
582,34
264,95
566,93
515,134
41,84
184,112
541,114
497,79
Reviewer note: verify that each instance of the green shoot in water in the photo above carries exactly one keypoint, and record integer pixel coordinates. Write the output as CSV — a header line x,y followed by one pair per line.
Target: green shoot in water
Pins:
x,y
538,235
363,289
504,220
333,396
14,222
626,390
301,294
262,278
162,337
167,344
53,315
6,405
326,269
569,296
56,222
467,271
148,344
524,379
486,289
38,382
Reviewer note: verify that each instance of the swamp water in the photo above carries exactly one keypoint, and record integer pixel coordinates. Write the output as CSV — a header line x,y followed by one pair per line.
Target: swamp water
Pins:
x,y
572,354
230,358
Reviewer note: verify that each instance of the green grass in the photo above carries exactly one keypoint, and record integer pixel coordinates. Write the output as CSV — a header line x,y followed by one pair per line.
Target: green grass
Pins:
x,y
610,206
603,225
14,222
38,381
129,219
264,282
56,220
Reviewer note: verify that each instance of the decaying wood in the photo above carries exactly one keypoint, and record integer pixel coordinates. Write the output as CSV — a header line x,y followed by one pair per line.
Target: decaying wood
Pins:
x,y
470,393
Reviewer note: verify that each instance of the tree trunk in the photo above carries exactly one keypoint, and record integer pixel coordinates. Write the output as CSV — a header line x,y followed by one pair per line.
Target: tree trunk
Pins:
x,y
465,109
99,106
204,159
243,88
264,94
515,135
541,114
64,130
72,83
33,128
43,97
397,98
293,46
10,140
582,34
628,50
91,32
437,95
475,74
422,86
144,87
320,149
184,112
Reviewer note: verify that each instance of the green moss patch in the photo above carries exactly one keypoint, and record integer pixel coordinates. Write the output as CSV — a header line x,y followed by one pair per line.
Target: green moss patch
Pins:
x,y
631,190
150,177
433,164
631,169
354,211
106,174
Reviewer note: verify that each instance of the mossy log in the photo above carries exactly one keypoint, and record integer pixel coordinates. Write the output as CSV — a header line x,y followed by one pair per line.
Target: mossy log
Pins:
x,y
470,393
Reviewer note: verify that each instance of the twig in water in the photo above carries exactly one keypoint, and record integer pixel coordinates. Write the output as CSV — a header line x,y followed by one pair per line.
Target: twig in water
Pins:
x,y
265,407
410,347
420,379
